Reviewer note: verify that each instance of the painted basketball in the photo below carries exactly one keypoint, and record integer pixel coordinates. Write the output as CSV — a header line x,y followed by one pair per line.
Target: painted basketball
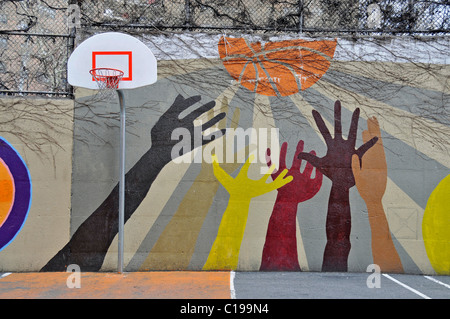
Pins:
x,y
279,68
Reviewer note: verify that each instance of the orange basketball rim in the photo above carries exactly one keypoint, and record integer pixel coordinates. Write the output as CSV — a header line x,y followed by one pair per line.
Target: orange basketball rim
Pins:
x,y
276,68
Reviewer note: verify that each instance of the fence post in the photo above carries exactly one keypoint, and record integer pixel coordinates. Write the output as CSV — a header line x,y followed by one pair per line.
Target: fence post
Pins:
x,y
187,21
70,48
300,22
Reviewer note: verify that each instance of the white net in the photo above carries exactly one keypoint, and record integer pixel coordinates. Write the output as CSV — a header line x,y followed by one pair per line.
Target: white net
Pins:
x,y
107,80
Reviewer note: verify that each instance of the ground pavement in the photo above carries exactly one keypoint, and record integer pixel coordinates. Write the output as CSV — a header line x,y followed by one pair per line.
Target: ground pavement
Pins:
x,y
222,285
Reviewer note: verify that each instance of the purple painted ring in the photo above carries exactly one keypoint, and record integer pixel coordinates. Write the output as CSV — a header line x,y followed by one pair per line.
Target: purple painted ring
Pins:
x,y
22,197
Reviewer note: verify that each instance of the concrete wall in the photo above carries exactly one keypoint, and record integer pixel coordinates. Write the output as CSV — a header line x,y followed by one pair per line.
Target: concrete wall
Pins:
x,y
36,136
186,213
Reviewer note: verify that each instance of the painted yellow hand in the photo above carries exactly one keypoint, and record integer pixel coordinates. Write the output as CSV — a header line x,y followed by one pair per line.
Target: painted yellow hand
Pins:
x,y
243,187
224,253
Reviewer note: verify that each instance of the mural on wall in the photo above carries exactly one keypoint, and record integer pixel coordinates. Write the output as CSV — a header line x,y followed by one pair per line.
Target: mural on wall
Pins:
x,y
322,196
15,193
89,244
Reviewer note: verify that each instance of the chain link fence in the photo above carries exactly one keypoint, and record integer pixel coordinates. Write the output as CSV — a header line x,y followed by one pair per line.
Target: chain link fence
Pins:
x,y
36,38
34,47
313,16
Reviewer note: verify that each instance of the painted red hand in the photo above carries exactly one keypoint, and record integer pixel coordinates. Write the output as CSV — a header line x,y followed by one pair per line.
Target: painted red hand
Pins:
x,y
280,248
303,187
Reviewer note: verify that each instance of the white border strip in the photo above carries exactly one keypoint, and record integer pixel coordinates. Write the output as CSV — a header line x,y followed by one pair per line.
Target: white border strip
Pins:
x,y
5,274
397,49
407,287
232,291
437,281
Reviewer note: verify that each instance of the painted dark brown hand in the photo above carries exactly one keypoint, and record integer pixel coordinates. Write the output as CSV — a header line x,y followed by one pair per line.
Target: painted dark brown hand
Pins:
x,y
90,243
337,166
337,163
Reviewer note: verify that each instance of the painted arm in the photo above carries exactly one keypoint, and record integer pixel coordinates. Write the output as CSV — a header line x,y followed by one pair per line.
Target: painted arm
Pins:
x,y
89,244
371,180
176,246
337,166
280,247
224,253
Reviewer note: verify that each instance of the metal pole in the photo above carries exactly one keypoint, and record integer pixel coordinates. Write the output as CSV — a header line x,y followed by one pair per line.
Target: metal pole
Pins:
x,y
300,20
187,9
122,180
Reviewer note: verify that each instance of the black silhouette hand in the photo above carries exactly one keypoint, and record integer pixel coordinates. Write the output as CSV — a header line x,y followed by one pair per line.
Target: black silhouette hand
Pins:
x,y
162,131
90,243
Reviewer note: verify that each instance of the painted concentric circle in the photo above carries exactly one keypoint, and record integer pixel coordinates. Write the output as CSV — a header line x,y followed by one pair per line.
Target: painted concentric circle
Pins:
x,y
15,193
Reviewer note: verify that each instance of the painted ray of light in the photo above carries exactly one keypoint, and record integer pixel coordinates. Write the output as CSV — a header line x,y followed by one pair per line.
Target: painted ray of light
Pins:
x,y
258,211
428,103
171,251
434,77
419,133
261,207
144,218
392,196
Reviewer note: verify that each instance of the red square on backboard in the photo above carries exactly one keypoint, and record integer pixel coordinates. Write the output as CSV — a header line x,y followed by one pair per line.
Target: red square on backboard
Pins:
x,y
127,54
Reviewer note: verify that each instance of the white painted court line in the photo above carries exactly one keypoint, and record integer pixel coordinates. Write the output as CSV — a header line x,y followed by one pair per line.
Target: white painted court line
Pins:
x,y
232,291
437,281
407,287
5,274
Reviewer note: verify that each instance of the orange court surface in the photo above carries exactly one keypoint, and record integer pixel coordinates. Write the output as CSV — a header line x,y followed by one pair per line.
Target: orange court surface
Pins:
x,y
222,285
134,285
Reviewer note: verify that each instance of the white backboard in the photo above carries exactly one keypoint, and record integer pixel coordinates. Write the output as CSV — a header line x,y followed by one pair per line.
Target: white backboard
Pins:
x,y
112,50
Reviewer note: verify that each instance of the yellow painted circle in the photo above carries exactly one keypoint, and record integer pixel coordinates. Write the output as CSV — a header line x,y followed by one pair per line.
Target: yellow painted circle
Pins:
x,y
436,227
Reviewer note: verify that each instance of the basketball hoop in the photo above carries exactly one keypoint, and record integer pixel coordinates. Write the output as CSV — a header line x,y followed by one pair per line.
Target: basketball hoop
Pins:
x,y
110,63
107,80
